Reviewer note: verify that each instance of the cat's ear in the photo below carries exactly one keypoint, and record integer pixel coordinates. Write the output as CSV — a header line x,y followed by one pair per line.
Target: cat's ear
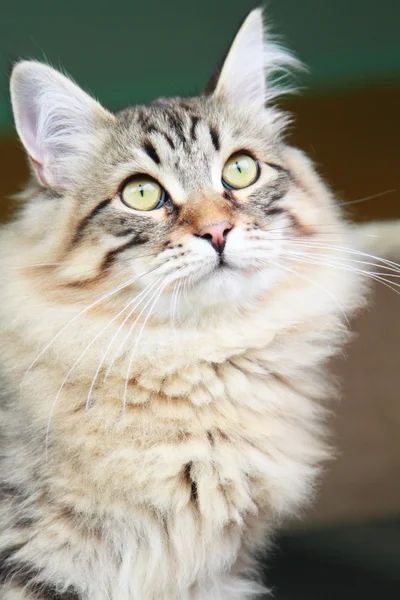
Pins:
x,y
255,68
55,120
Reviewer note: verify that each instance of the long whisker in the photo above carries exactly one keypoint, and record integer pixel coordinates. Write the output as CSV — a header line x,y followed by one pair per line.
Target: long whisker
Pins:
x,y
313,244
265,233
137,300
177,306
77,361
119,350
156,296
392,271
176,301
369,274
381,263
57,264
129,259
171,311
185,292
85,310
189,285
378,195
312,282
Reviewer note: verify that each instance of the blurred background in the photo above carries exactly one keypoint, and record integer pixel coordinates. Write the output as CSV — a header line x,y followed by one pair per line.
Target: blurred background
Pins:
x,y
347,117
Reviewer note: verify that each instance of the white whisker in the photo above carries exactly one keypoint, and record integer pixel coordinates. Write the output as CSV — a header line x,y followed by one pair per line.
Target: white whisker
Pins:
x,y
85,310
312,282
176,300
313,244
77,361
119,350
155,298
392,271
369,274
134,301
172,303
378,195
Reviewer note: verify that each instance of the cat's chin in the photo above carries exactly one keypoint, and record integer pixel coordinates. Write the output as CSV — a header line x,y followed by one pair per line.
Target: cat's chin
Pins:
x,y
230,285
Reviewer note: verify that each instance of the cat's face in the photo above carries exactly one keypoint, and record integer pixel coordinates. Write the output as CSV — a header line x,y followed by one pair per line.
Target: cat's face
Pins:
x,y
183,195
189,188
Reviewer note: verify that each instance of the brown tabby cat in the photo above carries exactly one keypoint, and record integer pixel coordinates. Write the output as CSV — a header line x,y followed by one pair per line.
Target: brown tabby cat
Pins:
x,y
165,325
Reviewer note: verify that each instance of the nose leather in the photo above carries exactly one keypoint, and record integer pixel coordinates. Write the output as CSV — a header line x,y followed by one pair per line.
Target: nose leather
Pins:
x,y
216,234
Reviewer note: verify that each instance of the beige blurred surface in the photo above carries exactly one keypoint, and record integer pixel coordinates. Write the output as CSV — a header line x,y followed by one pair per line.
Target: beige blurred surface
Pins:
x,y
364,481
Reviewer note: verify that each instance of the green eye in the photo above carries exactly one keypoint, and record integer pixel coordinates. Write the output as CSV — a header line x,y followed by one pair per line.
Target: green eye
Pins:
x,y
240,171
143,193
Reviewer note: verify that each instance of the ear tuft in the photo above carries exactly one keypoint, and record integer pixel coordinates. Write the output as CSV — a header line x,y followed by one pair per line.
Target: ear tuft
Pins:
x,y
55,120
257,68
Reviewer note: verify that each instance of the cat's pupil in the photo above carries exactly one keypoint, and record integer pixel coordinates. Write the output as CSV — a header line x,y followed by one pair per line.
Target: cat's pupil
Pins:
x,y
141,190
238,168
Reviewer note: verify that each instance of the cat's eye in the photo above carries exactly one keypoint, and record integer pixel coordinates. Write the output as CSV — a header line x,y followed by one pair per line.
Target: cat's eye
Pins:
x,y
143,193
240,171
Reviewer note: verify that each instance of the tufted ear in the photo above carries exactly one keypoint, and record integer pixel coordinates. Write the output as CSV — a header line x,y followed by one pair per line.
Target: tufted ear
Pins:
x,y
55,119
256,67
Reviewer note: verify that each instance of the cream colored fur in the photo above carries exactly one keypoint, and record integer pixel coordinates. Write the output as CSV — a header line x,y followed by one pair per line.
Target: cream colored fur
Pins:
x,y
165,484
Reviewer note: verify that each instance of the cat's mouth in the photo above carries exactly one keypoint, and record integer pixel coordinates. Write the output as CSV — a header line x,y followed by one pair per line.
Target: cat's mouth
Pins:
x,y
219,268
222,264
224,270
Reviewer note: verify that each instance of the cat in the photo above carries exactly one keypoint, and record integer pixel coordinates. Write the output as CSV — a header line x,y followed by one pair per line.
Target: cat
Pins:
x,y
166,321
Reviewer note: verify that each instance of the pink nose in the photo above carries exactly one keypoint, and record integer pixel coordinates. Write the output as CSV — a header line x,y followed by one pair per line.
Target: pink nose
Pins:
x,y
216,235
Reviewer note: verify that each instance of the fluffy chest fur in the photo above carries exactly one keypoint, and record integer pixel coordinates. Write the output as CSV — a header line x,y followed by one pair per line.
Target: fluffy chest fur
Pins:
x,y
215,445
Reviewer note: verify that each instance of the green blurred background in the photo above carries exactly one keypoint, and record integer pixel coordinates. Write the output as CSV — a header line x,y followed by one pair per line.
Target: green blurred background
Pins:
x,y
126,51
347,118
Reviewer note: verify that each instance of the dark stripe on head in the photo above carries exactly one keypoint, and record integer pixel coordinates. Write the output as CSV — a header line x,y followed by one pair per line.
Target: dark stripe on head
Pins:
x,y
215,138
152,129
151,151
195,120
229,195
185,104
169,140
278,167
86,220
177,126
142,117
109,259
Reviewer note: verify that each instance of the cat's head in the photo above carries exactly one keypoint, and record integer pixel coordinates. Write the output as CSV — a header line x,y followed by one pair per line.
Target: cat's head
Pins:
x,y
194,195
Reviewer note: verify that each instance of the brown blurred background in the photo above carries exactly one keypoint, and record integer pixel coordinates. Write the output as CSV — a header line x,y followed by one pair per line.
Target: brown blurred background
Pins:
x,y
354,137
